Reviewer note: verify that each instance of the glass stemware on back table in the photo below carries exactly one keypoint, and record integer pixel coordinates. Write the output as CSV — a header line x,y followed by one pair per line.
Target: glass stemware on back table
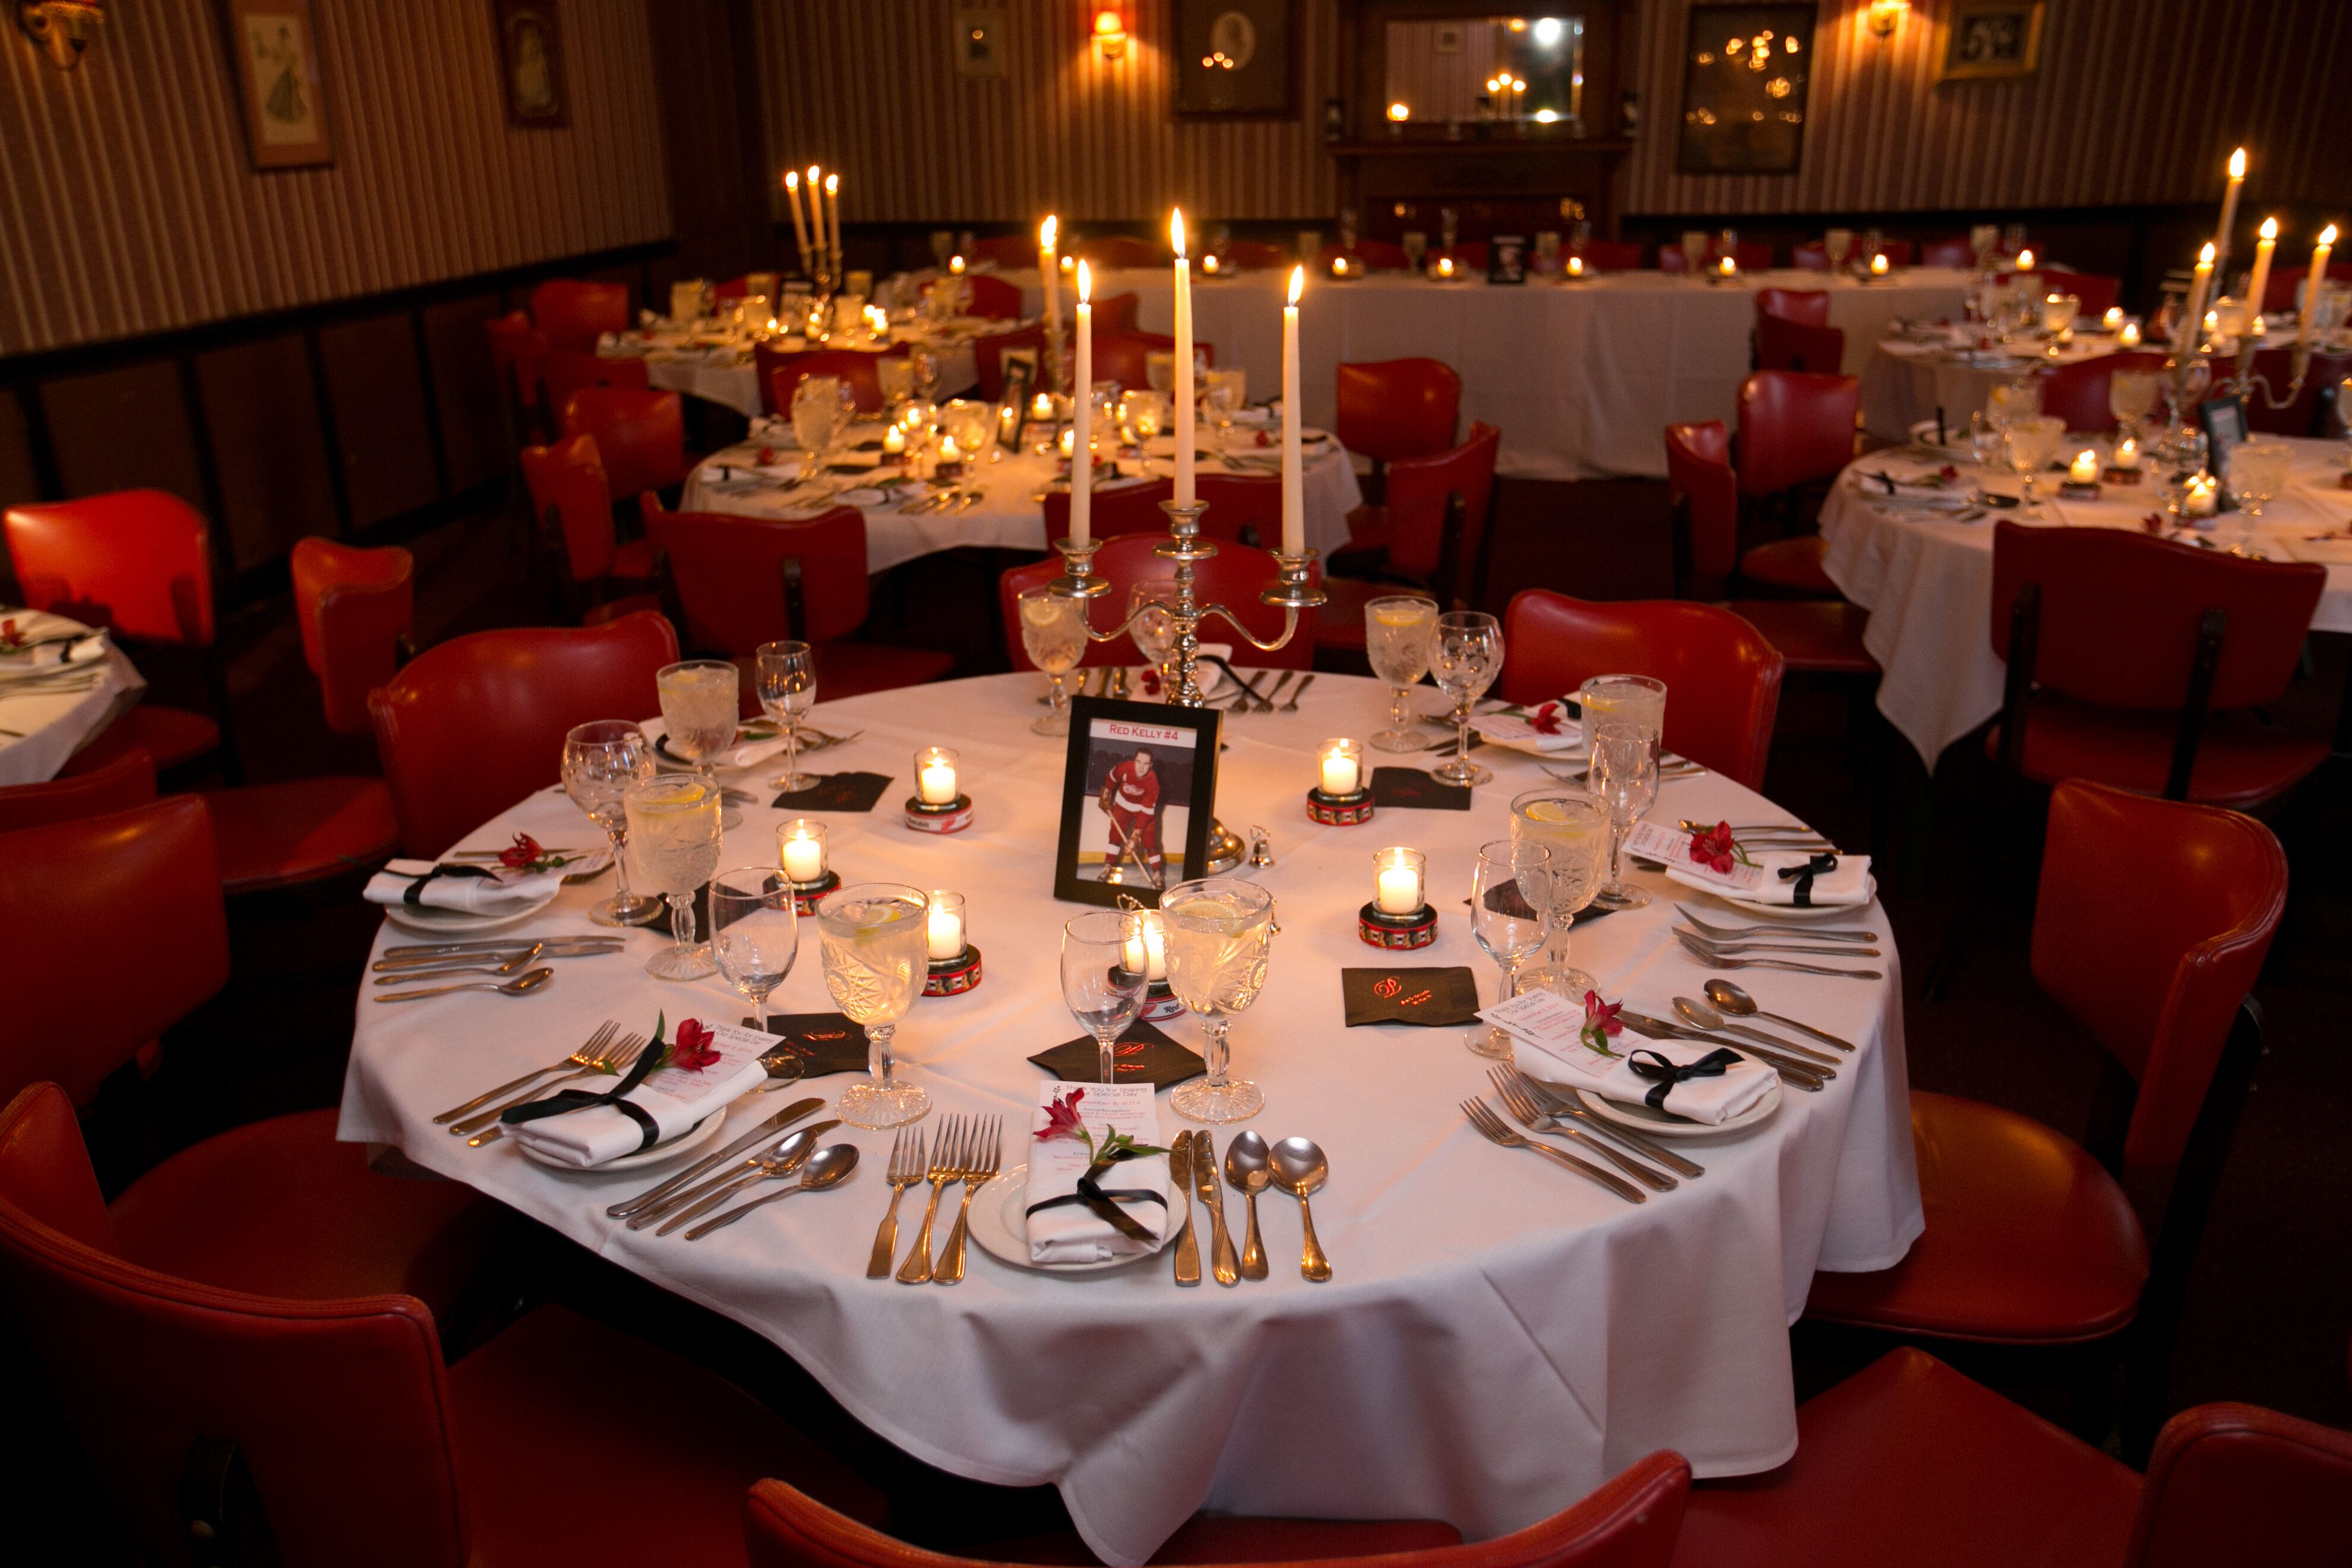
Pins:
x,y
1466,657
2031,442
2258,470
1100,991
1574,827
1054,636
875,938
755,934
787,688
674,833
700,701
600,760
1218,933
1624,724
1400,633
1510,914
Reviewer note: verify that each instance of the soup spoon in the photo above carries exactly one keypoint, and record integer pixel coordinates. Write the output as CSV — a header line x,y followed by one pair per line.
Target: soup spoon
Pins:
x,y
1299,1168
828,1168
520,985
1693,1011
1731,999
519,961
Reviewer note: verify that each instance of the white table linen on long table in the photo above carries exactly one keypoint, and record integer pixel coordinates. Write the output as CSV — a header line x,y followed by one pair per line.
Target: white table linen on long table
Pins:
x,y
728,376
1926,579
1581,379
1008,517
1499,1336
1906,380
43,724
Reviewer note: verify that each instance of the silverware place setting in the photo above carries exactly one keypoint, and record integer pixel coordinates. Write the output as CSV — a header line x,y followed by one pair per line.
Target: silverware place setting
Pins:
x,y
1809,933
783,1158
1737,957
1732,1001
971,1150
607,1054
828,1167
429,963
1790,941
1792,1071
1495,1130
523,984
667,1195
1535,1119
1558,1106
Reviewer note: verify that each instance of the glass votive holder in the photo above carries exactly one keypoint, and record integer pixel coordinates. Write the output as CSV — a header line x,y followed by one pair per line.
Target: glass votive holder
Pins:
x,y
939,803
804,855
954,961
1398,915
1342,795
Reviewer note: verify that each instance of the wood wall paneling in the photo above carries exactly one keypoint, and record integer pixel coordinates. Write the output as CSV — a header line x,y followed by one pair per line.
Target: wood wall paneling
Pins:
x,y
261,412
124,429
381,424
466,394
19,479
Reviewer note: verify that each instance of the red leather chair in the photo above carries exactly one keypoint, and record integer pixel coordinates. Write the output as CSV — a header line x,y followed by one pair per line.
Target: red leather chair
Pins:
x,y
2077,393
1244,507
471,726
1429,531
1233,576
1117,313
640,436
1609,255
1005,250
1784,344
861,372
987,352
2135,661
574,314
1126,357
356,608
1255,255
574,501
742,580
1954,252
1723,680
1132,509
1806,306
138,562
126,782
518,350
2278,294
1753,255
1376,255
994,297
1796,430
563,372
1813,256
1119,250
2093,294
1672,259
1629,1522
2031,1239
1909,1462
2305,414
362,1450
1391,409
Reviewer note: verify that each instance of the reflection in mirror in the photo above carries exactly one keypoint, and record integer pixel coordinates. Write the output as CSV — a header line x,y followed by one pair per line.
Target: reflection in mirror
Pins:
x,y
1486,67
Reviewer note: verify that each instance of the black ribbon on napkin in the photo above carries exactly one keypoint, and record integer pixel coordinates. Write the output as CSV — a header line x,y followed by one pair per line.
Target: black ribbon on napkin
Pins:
x,y
565,1101
1819,866
415,893
1103,1202
1668,1075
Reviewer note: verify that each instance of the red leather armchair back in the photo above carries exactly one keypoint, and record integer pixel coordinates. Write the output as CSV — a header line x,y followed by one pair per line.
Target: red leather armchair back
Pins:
x,y
79,897
731,572
139,561
340,1409
1232,577
1117,313
1610,255
473,725
2278,294
2093,293
1723,680
994,298
126,782
568,477
859,372
641,436
1812,256
987,352
1122,250
565,371
1954,252
2152,924
1390,409
1236,501
1255,255
1806,306
574,314
1005,250
2301,414
1794,427
355,607
2120,612
1417,490
2236,1483
517,351
1784,344
1129,508
1698,465
2077,393
1126,357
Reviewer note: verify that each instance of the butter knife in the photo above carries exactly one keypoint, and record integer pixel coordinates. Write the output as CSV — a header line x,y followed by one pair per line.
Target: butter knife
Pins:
x,y
505,944
1188,1246
1228,1268
1794,1073
765,1132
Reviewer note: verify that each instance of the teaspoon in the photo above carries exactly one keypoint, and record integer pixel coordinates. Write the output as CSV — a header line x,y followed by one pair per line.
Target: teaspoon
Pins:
x,y
829,1168
783,1067
1731,999
520,985
1299,1168
1693,1011
781,1160
1247,1160
519,961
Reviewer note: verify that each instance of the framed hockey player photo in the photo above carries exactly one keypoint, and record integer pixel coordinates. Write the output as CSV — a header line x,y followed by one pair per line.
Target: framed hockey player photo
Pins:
x,y
1138,798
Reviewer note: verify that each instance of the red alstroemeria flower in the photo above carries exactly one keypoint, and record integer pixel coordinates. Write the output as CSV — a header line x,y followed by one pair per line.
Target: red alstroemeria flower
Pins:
x,y
767,454
1601,1024
522,852
1948,473
1149,681
1715,848
1547,718
2153,523
9,636
691,1051
1062,1118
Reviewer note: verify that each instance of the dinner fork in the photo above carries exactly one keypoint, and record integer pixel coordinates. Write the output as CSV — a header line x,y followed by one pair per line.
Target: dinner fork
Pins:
x,y
584,1057
947,1166
979,1168
1693,941
1558,1106
1496,1130
1811,933
907,1168
1524,1111
1274,695
1291,706
616,1057
1709,956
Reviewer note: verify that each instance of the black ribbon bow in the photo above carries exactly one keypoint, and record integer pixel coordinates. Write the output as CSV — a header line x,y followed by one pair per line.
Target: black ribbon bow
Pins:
x,y
416,891
1819,866
565,1101
1667,1074
1103,1202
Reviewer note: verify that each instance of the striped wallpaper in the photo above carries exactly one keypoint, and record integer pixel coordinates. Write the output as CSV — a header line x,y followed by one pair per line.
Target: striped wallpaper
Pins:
x,y
128,204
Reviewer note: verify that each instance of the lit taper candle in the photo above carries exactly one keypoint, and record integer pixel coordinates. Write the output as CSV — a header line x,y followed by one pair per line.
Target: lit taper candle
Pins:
x,y
2314,281
1082,413
816,206
800,223
833,219
1184,361
2229,213
1294,483
2260,283
2192,313
1049,272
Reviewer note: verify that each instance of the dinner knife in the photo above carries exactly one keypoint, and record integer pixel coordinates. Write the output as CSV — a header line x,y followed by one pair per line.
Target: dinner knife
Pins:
x,y
1792,1072
416,950
1187,1245
764,1131
433,960
1228,1268
710,1195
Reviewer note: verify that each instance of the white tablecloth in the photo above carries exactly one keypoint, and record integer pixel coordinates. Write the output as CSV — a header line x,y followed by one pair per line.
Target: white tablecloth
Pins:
x,y
1011,517
1905,382
728,376
1581,379
1927,581
40,729
1498,1337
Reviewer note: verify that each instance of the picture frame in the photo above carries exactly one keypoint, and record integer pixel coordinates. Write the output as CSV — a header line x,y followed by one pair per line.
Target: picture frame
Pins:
x,y
1738,118
2223,421
1507,258
531,64
1123,820
1989,40
273,51
1235,60
1019,367
979,42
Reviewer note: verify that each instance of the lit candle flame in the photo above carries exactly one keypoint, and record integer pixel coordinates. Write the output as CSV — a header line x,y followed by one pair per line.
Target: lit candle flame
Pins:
x,y
792,180
2205,256
814,172
1297,283
1176,231
2025,259
2238,164
831,184
1047,231
1086,284
2327,234
2270,229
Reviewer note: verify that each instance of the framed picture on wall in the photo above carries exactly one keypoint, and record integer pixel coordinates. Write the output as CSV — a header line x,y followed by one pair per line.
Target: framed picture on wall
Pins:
x,y
531,62
274,50
1989,40
1236,60
1745,70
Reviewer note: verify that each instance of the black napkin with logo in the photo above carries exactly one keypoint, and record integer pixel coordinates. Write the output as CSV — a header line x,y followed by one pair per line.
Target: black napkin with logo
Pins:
x,y
1142,1054
837,792
1503,898
826,1042
1410,789
1428,996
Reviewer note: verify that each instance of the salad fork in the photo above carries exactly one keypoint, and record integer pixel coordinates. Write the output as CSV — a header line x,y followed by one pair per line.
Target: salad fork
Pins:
x,y
584,1057
979,1168
906,1167
1558,1106
1496,1130
615,1058
1525,1111
1709,956
1811,933
947,1166
1693,941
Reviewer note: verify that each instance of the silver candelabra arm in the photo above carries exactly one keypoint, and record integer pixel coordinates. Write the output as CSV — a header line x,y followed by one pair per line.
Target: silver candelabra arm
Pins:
x,y
2247,378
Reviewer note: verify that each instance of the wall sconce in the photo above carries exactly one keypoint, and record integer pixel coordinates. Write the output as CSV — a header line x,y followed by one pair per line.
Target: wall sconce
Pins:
x,y
1885,16
1110,36
62,28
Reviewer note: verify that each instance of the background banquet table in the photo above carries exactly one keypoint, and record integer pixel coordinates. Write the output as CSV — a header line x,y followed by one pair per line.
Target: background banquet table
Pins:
x,y
1926,579
1499,1336
1009,517
1579,378
1905,381
726,376
45,721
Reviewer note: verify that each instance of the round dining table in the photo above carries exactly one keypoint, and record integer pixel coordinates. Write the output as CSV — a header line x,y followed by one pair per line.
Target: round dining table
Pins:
x,y
1497,1336
48,711
723,369
1926,370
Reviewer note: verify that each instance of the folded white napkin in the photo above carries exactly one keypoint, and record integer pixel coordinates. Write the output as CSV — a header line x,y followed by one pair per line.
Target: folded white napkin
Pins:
x,y
1761,883
1071,1232
1546,729
1709,1099
500,892
1914,490
675,1097
745,755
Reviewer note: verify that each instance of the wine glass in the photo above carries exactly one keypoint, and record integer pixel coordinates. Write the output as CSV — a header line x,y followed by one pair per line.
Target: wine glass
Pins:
x,y
674,833
2257,473
700,701
1466,657
1218,933
875,938
786,672
1510,914
816,411
1415,246
1838,244
1053,635
1400,632
1984,438
1220,400
755,934
1575,827
1102,991
1623,772
2030,444
2015,400
2131,397
926,362
600,760
1153,627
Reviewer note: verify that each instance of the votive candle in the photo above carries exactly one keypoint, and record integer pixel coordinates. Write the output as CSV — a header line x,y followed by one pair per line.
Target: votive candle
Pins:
x,y
935,775
944,929
2126,456
1397,880
1342,766
1145,952
2084,469
800,850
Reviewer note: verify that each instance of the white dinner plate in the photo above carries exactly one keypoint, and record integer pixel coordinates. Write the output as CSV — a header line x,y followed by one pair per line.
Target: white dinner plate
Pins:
x,y
434,922
1001,1226
1791,913
694,1136
1659,1124
1956,437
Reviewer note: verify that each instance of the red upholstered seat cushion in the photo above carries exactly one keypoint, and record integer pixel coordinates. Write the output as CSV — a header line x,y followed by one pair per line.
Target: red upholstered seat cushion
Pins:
x,y
1794,563
279,1208
1208,1540
616,609
274,834
1368,528
1816,636
1909,1463
2028,1241
169,735
577,1445
2241,762
635,559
